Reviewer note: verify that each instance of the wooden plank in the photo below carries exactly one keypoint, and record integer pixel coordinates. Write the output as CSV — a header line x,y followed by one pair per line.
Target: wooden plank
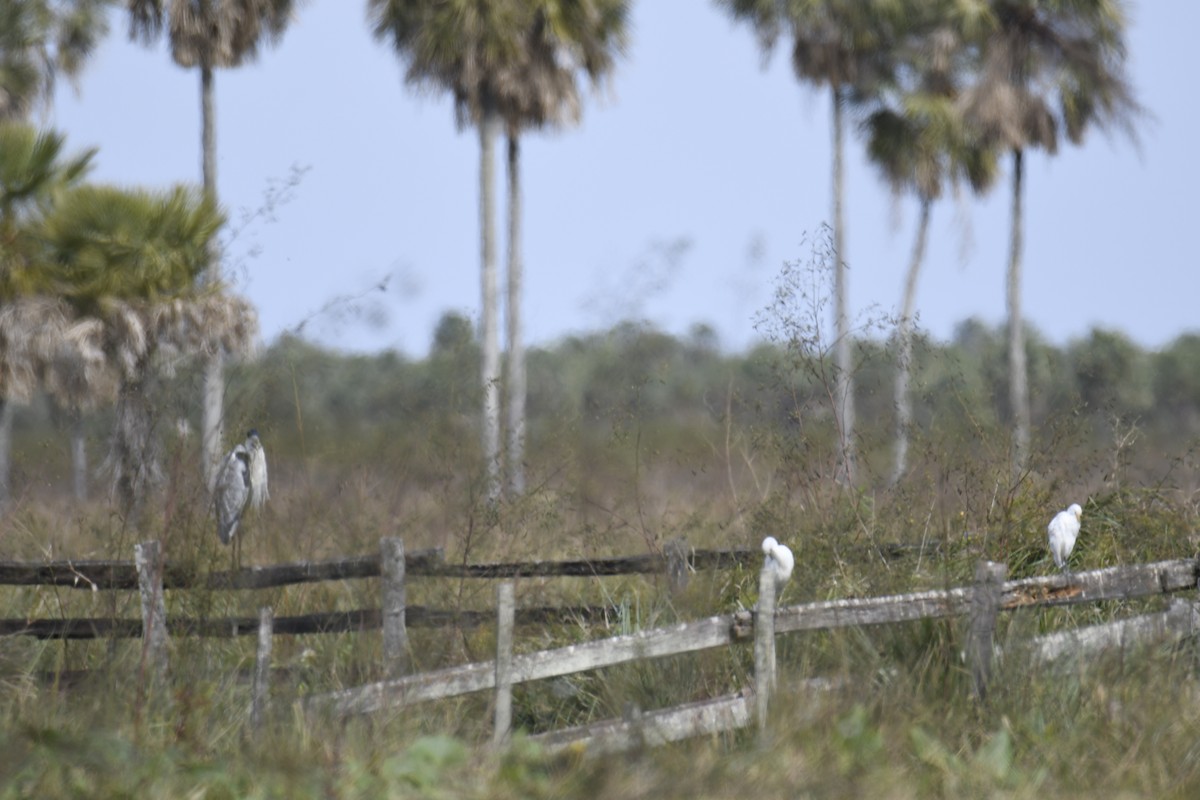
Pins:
x,y
985,607
764,644
76,628
1112,583
94,575
701,718
262,669
685,637
113,574
350,621
1182,619
652,563
148,559
505,603
395,633
872,610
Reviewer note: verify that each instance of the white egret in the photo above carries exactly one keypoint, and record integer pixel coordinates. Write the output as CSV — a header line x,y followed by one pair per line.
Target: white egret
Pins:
x,y
780,557
1063,530
241,481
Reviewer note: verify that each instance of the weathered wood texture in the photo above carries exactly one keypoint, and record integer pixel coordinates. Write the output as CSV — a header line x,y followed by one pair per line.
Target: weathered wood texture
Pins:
x,y
764,644
261,692
1112,583
395,632
1182,619
100,574
981,634
351,621
505,605
148,561
685,637
702,718
1106,584
96,575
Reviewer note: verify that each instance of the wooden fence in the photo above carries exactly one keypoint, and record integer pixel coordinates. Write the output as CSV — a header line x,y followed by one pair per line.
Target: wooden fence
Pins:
x,y
151,576
980,602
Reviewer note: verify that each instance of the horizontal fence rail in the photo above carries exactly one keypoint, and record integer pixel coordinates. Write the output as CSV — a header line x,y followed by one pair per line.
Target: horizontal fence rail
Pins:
x,y
351,621
116,574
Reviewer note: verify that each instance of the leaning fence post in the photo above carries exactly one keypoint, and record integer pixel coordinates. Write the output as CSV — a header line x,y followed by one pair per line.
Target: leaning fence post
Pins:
x,y
395,634
985,606
505,614
262,668
764,644
147,557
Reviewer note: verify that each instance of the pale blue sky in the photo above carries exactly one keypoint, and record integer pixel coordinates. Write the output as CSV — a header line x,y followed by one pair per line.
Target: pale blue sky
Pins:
x,y
695,141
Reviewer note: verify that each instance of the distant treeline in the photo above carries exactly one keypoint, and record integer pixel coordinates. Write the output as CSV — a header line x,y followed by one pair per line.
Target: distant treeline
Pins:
x,y
308,399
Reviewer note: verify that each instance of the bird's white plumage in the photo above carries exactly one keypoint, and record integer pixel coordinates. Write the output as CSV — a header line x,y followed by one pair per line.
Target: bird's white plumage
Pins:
x,y
241,481
259,493
780,557
1062,532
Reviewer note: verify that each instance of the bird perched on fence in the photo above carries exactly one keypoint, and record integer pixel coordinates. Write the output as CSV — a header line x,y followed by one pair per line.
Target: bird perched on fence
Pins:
x,y
241,481
780,559
1063,530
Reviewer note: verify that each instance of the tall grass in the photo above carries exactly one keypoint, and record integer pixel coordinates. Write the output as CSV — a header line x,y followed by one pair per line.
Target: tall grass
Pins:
x,y
80,718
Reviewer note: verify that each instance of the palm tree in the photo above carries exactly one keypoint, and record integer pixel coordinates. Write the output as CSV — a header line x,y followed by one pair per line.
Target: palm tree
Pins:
x,y
207,34
920,142
845,45
33,170
129,261
1044,68
39,39
563,38
468,48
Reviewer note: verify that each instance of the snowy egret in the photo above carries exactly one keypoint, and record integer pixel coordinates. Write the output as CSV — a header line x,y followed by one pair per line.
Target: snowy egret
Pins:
x,y
241,481
779,556
1063,530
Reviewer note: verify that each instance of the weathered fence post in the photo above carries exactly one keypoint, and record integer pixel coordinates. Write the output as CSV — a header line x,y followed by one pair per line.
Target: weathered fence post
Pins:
x,y
262,668
678,574
395,634
985,606
505,615
147,557
764,644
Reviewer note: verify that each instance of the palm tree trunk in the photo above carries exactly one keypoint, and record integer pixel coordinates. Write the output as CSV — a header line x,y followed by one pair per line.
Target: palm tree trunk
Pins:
x,y
135,453
212,433
6,425
489,333
516,347
1018,381
79,456
844,387
904,349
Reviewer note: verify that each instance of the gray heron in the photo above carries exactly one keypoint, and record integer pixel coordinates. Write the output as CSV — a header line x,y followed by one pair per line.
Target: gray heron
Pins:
x,y
241,482
1062,532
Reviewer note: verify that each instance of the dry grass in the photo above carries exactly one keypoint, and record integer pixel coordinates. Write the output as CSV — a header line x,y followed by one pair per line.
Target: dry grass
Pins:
x,y
903,726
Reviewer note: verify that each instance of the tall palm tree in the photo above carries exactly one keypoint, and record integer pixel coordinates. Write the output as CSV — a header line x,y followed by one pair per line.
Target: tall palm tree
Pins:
x,y
130,262
40,39
920,141
467,48
563,40
1045,68
207,34
846,46
33,169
